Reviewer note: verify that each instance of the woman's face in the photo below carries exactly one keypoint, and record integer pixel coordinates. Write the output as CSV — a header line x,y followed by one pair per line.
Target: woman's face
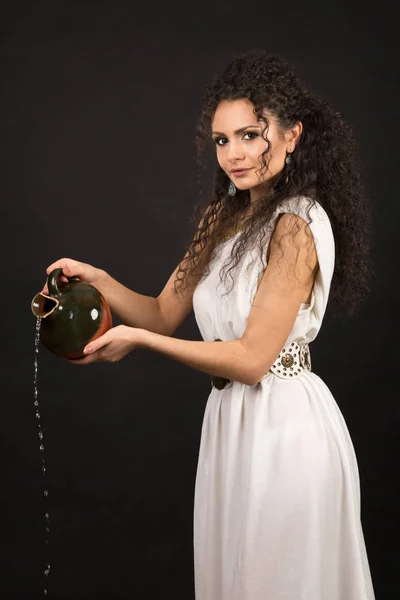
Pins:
x,y
239,144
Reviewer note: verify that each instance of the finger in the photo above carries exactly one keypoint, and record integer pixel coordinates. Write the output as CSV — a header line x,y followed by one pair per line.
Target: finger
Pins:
x,y
69,266
85,360
58,264
101,341
80,361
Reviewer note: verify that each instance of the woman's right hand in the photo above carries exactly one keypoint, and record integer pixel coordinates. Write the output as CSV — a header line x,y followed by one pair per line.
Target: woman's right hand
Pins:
x,y
74,268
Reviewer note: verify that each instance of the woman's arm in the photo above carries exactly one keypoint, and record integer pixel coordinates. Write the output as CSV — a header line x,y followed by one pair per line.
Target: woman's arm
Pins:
x,y
289,276
163,314
222,359
134,309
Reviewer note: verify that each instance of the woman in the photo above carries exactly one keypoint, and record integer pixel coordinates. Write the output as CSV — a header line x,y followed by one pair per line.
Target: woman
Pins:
x,y
277,498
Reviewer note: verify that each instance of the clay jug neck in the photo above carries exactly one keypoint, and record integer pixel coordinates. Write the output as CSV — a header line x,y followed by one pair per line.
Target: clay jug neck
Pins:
x,y
42,306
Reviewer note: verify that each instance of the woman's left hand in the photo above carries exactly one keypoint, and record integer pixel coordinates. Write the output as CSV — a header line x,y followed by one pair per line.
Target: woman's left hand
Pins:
x,y
113,345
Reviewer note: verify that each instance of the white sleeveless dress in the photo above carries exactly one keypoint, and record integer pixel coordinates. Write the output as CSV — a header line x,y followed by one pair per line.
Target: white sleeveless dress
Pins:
x,y
277,495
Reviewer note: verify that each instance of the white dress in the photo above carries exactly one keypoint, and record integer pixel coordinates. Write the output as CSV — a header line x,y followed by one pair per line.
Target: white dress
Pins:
x,y
277,495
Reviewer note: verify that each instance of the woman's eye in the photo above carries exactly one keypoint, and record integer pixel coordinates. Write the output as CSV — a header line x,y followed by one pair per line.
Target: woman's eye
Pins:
x,y
221,141
251,133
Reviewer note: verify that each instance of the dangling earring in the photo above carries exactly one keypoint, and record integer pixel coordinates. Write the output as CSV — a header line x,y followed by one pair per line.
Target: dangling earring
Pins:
x,y
232,189
288,162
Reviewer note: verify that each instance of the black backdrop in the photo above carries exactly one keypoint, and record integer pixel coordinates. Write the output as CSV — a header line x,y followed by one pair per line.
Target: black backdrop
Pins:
x,y
98,109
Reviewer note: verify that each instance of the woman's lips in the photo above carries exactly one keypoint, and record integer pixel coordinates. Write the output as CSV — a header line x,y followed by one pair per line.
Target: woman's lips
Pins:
x,y
240,172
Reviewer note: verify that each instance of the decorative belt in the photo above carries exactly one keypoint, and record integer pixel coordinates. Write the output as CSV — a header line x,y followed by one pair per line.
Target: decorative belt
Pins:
x,y
291,362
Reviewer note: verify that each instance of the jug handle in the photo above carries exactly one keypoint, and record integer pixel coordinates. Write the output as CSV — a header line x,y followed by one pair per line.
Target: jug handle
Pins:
x,y
52,282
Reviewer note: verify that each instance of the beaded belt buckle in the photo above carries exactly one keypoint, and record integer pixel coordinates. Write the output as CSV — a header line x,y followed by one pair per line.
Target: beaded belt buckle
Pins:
x,y
291,362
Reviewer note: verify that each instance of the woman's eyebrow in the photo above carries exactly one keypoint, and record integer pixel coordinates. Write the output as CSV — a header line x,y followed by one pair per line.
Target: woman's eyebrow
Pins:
x,y
237,130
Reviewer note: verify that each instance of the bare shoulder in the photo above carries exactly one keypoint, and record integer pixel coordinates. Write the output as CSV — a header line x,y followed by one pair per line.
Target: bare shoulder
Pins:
x,y
292,239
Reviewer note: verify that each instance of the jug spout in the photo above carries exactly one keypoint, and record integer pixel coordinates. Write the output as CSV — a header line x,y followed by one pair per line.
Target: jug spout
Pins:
x,y
42,306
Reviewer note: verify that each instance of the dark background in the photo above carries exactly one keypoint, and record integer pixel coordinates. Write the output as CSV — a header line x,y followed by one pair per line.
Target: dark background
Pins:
x,y
98,109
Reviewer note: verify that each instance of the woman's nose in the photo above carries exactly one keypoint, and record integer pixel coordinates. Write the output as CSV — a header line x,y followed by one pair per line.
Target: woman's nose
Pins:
x,y
235,152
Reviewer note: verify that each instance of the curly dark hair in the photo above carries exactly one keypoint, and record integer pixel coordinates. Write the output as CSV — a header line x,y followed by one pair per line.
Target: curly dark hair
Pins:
x,y
324,169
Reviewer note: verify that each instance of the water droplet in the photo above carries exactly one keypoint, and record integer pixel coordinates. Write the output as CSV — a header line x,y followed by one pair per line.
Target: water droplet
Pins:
x,y
40,434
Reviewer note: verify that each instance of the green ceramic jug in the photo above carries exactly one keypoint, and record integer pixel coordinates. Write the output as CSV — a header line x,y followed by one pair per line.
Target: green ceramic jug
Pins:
x,y
72,315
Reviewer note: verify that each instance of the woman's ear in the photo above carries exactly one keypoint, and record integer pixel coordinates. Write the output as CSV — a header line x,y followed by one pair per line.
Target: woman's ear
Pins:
x,y
296,132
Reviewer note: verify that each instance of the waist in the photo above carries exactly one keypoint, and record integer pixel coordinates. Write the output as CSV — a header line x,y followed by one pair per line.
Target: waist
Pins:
x,y
292,361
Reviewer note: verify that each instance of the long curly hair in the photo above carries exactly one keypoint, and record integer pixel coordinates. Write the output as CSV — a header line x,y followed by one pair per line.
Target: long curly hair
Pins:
x,y
324,169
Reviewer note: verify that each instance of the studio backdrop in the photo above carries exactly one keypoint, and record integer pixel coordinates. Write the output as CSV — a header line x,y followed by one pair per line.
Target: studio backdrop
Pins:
x,y
99,104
